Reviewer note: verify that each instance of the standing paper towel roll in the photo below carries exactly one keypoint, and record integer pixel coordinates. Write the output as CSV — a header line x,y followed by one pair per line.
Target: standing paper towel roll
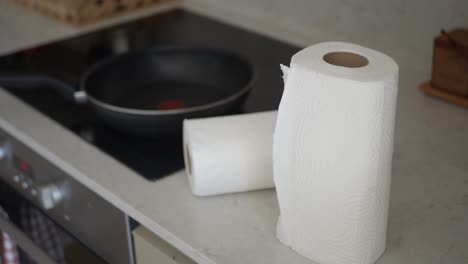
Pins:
x,y
230,153
332,151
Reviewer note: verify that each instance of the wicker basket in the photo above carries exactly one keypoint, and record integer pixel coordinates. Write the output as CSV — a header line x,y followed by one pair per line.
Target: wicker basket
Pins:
x,y
79,12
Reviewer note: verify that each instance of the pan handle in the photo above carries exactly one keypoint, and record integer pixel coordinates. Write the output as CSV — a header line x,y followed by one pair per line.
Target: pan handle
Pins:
x,y
32,82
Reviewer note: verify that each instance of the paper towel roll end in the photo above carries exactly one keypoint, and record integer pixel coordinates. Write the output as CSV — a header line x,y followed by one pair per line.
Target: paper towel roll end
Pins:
x,y
188,160
346,60
188,168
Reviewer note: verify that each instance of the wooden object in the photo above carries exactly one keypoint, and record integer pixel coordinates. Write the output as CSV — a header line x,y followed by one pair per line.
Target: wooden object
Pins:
x,y
79,12
450,62
444,95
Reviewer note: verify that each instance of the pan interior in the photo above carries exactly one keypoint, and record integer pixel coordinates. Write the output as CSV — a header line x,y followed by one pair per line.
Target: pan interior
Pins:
x,y
168,80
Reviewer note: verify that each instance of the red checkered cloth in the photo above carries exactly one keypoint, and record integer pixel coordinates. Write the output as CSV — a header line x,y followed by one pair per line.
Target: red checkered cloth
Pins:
x,y
43,232
8,250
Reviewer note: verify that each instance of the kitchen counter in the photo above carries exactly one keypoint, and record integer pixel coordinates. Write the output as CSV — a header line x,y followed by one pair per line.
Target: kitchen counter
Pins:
x,y
428,221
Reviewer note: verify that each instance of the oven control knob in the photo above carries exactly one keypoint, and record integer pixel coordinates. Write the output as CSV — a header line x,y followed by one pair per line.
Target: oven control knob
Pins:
x,y
17,178
50,195
25,185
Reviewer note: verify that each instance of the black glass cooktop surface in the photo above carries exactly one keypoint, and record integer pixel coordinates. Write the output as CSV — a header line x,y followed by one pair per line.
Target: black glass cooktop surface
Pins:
x,y
67,60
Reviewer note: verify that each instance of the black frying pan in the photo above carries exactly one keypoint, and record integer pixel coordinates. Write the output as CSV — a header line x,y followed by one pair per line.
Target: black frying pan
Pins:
x,y
151,92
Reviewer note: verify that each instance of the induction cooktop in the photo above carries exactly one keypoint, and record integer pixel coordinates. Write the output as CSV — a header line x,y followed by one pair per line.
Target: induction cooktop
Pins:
x,y
67,60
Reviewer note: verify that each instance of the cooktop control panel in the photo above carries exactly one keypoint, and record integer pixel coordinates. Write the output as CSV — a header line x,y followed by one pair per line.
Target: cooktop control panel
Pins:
x,y
29,174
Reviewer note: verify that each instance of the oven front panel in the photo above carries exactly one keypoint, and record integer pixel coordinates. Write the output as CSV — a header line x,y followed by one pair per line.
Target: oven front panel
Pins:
x,y
84,215
34,237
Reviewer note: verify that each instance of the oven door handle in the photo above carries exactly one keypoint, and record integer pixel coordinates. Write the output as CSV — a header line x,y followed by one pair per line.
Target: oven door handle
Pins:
x,y
24,242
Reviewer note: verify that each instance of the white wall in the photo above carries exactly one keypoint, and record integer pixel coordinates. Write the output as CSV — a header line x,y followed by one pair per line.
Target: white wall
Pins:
x,y
403,29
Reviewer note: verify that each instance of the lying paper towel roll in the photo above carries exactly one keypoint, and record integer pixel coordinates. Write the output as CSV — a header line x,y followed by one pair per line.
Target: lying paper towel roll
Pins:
x,y
332,151
230,153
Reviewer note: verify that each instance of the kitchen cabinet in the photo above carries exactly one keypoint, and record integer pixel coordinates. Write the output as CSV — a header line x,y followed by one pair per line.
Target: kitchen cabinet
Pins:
x,y
151,249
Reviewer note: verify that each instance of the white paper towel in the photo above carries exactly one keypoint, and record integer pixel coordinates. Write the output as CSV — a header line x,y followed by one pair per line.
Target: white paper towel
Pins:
x,y
230,153
332,151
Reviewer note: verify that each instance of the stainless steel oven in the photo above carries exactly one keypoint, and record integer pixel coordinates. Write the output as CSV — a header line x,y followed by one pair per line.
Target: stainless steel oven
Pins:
x,y
51,217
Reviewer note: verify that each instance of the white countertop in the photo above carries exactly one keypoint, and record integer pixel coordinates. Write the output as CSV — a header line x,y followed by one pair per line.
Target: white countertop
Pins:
x,y
428,221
